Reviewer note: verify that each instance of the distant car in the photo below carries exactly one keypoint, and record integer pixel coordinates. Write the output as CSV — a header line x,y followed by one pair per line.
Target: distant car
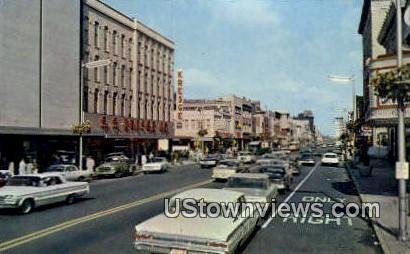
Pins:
x,y
257,187
246,157
306,159
156,164
209,161
181,234
70,172
330,159
225,169
277,174
29,191
115,165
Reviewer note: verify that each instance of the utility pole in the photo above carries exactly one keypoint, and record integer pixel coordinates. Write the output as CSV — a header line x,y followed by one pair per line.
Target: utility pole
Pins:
x,y
401,165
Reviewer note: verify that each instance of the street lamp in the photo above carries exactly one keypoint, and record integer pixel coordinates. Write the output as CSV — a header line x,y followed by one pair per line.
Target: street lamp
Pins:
x,y
93,64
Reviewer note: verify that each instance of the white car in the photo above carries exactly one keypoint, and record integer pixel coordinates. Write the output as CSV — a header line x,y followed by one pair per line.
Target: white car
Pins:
x,y
225,169
257,187
306,159
246,157
156,164
26,192
180,234
70,172
330,159
209,161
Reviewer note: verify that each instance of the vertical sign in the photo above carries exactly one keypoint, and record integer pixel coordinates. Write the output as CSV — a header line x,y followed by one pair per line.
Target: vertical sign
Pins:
x,y
180,97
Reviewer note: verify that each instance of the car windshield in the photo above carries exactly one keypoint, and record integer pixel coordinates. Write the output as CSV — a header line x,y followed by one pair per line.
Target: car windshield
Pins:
x,y
241,182
227,164
331,156
24,181
55,168
157,159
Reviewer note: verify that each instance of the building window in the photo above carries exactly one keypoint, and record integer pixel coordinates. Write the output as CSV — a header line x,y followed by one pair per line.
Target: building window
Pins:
x,y
114,74
106,48
114,104
130,79
96,38
114,41
123,105
123,45
123,75
85,100
96,101
85,70
85,31
96,71
130,49
130,107
105,102
105,74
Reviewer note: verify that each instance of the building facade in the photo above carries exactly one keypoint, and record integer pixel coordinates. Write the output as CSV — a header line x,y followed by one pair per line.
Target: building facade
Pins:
x,y
131,99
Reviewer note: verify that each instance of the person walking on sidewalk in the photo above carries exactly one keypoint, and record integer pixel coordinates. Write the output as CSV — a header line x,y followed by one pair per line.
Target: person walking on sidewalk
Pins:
x,y
22,167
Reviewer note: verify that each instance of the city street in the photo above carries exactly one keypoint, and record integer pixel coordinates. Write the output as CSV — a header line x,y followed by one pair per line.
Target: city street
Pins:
x,y
109,230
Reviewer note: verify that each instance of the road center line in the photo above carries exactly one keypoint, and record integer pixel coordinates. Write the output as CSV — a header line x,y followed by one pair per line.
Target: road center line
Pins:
x,y
59,227
291,194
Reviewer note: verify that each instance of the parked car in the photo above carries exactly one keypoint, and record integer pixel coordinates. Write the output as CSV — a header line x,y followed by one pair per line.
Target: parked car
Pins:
x,y
257,187
330,159
162,234
29,191
156,164
209,161
277,174
115,165
246,157
70,172
306,159
4,176
225,169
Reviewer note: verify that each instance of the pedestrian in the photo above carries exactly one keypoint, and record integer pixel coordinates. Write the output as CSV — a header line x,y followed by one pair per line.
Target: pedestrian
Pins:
x,y
151,155
22,167
11,168
29,168
35,166
143,159
90,164
136,159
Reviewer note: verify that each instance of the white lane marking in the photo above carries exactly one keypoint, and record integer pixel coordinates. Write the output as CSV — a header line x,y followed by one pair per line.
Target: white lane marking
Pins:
x,y
291,194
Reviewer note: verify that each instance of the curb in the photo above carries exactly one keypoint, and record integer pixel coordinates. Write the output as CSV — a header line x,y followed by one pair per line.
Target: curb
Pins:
x,y
377,231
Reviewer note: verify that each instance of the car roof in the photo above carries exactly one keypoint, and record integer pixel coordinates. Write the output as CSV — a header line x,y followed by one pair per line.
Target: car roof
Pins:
x,y
250,175
330,154
210,195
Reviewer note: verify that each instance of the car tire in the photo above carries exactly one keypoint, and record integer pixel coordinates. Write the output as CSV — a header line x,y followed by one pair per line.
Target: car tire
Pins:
x,y
27,206
81,178
70,199
118,175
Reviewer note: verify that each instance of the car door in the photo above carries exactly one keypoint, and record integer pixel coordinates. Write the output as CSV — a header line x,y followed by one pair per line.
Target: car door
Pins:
x,y
71,173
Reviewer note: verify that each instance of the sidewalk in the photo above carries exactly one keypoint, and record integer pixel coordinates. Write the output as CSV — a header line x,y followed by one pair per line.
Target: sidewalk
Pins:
x,y
381,187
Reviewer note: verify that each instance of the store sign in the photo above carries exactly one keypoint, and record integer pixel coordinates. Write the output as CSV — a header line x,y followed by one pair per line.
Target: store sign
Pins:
x,y
180,95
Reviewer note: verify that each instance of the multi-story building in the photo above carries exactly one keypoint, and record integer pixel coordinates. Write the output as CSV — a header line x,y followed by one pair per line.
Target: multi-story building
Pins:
x,y
340,126
210,115
130,99
371,25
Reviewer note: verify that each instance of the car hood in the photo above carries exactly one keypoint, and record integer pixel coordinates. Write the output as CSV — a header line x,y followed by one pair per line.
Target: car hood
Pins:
x,y
249,191
190,228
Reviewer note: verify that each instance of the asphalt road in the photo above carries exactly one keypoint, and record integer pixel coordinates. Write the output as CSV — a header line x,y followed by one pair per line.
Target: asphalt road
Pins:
x,y
108,216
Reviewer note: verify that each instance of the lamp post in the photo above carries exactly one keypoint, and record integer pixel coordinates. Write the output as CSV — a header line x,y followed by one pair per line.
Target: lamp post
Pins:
x,y
93,64
401,165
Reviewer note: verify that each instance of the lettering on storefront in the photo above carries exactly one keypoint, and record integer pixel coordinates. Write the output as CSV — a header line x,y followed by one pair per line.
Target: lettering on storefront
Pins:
x,y
180,95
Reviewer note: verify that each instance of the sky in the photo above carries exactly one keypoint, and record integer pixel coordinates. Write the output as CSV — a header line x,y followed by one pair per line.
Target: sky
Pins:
x,y
279,51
